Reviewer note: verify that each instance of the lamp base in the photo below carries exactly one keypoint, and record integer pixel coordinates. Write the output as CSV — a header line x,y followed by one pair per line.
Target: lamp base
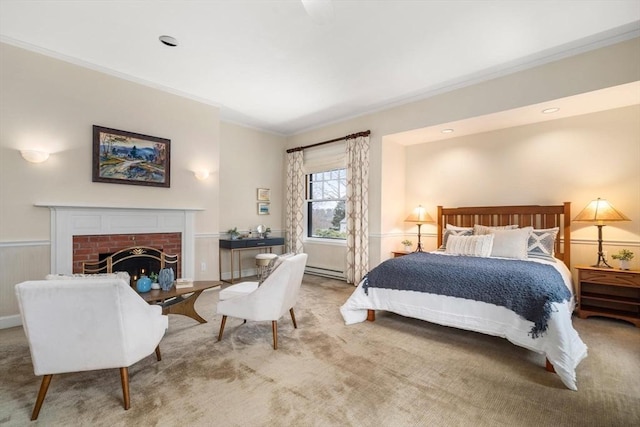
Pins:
x,y
601,266
602,263
419,247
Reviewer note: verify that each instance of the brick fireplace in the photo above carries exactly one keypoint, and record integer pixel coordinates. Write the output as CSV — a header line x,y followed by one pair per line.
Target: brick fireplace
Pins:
x,y
94,248
107,227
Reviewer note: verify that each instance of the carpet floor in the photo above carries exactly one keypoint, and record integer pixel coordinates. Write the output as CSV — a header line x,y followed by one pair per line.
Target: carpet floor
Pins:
x,y
392,372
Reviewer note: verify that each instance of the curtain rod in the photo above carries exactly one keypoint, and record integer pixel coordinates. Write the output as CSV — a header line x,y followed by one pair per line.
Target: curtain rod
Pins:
x,y
354,135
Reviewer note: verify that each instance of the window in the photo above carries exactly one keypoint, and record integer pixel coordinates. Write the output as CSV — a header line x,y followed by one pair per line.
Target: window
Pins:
x,y
326,196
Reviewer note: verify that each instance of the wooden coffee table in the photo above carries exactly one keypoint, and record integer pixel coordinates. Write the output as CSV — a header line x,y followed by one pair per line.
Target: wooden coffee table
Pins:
x,y
176,301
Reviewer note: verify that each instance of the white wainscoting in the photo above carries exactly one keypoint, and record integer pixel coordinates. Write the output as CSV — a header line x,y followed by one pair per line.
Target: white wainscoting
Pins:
x,y
19,261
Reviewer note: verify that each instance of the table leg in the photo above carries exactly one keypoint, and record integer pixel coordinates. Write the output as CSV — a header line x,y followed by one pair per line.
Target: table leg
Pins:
x,y
232,251
184,306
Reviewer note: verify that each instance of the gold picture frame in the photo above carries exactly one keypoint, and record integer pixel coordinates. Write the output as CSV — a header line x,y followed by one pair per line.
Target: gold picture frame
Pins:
x,y
122,157
264,194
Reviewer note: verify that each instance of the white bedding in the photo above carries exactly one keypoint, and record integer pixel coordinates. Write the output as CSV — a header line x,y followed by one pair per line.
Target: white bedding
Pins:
x,y
560,343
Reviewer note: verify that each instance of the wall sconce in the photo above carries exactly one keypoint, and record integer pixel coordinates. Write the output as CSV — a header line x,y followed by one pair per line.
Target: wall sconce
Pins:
x,y
33,156
419,216
201,174
600,211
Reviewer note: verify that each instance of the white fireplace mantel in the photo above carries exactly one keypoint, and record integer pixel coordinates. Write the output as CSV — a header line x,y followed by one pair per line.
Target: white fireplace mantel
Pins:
x,y
76,220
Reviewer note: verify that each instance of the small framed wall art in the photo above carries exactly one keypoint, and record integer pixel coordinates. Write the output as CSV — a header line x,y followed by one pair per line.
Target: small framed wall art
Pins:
x,y
121,157
263,208
264,194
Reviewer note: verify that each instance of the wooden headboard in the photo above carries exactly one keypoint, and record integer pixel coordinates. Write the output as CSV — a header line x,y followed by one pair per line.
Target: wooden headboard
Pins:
x,y
532,215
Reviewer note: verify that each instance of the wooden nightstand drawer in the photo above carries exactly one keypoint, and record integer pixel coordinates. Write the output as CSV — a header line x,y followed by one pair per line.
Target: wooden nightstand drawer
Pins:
x,y
611,277
397,254
609,293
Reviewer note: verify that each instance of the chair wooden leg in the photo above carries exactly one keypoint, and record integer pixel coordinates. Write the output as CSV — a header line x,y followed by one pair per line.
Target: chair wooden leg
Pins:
x,y
549,367
274,327
158,355
224,320
44,386
293,317
124,377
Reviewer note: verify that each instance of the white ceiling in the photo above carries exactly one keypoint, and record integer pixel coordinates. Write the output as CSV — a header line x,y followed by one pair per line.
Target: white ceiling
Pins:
x,y
269,65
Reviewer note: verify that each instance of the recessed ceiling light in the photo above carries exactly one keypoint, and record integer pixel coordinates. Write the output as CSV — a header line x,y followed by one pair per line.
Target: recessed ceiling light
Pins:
x,y
169,41
447,131
550,110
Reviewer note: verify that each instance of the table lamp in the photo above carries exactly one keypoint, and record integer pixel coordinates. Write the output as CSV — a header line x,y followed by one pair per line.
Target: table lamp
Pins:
x,y
600,211
419,216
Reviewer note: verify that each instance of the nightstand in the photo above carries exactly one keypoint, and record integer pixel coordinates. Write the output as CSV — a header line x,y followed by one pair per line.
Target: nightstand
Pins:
x,y
609,292
397,254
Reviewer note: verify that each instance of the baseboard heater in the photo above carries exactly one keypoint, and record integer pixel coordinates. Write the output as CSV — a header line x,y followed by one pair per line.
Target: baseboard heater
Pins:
x,y
325,272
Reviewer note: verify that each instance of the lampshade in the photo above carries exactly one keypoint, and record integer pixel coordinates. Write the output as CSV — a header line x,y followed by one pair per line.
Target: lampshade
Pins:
x,y
419,216
600,211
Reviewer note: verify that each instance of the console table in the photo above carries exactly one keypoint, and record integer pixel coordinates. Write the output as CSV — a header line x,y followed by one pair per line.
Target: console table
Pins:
x,y
238,245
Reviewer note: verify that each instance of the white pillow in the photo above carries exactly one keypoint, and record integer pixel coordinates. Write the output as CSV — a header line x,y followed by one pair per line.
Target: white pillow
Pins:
x,y
483,229
511,243
479,246
117,275
456,228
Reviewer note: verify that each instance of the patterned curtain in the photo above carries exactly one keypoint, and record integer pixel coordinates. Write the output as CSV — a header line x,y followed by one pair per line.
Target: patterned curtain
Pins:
x,y
357,208
294,221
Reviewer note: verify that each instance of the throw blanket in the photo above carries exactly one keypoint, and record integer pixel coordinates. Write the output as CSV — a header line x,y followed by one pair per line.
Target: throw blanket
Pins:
x,y
524,287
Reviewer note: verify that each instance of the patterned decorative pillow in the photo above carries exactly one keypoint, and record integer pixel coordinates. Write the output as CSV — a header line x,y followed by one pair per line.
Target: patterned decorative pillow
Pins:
x,y
273,264
511,243
479,246
542,243
452,230
479,230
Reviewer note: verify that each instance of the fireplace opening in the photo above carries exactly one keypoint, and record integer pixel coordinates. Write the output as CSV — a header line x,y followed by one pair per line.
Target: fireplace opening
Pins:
x,y
136,266
94,254
137,261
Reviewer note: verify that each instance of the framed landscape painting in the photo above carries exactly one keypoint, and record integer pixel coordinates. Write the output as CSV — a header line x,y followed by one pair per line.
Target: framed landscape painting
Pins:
x,y
263,208
121,157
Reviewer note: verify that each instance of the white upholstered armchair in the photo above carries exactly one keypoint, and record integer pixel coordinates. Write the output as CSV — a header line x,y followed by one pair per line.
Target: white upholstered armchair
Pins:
x,y
269,301
82,325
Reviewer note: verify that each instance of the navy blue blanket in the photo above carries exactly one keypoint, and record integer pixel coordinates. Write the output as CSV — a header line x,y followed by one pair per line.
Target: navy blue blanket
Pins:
x,y
526,288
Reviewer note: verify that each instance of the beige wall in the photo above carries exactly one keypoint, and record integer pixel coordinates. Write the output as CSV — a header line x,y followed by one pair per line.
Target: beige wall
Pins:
x,y
250,160
47,103
610,66
51,105
576,159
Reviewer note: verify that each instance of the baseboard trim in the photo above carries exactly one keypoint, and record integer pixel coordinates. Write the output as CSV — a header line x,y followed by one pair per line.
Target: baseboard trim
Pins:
x,y
325,272
7,322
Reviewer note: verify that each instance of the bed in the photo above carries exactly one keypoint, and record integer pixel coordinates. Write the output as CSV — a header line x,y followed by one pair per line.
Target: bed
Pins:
x,y
414,285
